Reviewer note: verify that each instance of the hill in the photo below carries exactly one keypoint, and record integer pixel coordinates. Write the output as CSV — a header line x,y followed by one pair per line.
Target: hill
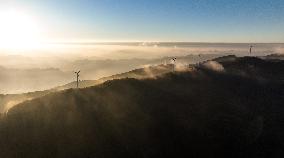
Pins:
x,y
261,69
203,113
141,73
20,74
10,100
254,67
275,57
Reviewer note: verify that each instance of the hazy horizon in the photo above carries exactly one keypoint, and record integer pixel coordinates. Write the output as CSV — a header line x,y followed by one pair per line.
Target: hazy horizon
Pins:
x,y
230,21
27,70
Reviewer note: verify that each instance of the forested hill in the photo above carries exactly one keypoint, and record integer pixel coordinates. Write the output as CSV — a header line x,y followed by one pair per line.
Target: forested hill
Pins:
x,y
203,113
268,68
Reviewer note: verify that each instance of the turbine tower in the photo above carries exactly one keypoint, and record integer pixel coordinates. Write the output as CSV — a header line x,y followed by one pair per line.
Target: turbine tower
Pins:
x,y
199,60
250,48
174,63
77,76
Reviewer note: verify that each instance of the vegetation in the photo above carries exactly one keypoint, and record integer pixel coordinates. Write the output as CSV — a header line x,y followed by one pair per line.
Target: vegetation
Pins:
x,y
203,113
10,100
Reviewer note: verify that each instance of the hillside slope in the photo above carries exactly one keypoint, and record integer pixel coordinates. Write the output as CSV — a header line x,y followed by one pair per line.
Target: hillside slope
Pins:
x,y
263,69
253,67
10,100
141,73
194,114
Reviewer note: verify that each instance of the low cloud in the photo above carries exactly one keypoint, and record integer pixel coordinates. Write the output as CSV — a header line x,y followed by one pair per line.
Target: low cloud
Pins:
x,y
213,65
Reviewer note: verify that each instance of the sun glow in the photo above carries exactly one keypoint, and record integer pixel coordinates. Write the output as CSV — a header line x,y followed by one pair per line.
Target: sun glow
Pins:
x,y
18,30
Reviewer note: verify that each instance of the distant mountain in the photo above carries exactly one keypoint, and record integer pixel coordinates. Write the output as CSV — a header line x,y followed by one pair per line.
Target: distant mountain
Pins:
x,y
25,80
200,113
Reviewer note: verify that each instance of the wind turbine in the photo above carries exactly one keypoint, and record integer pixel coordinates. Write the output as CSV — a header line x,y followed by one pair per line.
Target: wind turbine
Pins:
x,y
174,62
77,76
250,49
199,60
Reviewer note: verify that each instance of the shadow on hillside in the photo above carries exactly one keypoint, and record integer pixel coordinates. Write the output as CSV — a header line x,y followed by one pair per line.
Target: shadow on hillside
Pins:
x,y
199,114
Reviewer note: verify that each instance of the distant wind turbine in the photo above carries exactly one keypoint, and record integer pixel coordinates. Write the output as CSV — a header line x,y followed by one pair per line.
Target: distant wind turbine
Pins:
x,y
77,76
250,48
198,60
174,62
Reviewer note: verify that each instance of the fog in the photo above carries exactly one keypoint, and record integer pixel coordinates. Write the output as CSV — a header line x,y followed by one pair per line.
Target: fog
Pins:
x,y
54,64
213,65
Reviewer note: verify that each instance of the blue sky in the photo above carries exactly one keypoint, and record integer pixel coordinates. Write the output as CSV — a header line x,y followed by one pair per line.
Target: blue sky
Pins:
x,y
158,20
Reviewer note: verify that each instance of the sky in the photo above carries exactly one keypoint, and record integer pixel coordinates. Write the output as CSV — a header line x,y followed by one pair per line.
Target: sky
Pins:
x,y
156,20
